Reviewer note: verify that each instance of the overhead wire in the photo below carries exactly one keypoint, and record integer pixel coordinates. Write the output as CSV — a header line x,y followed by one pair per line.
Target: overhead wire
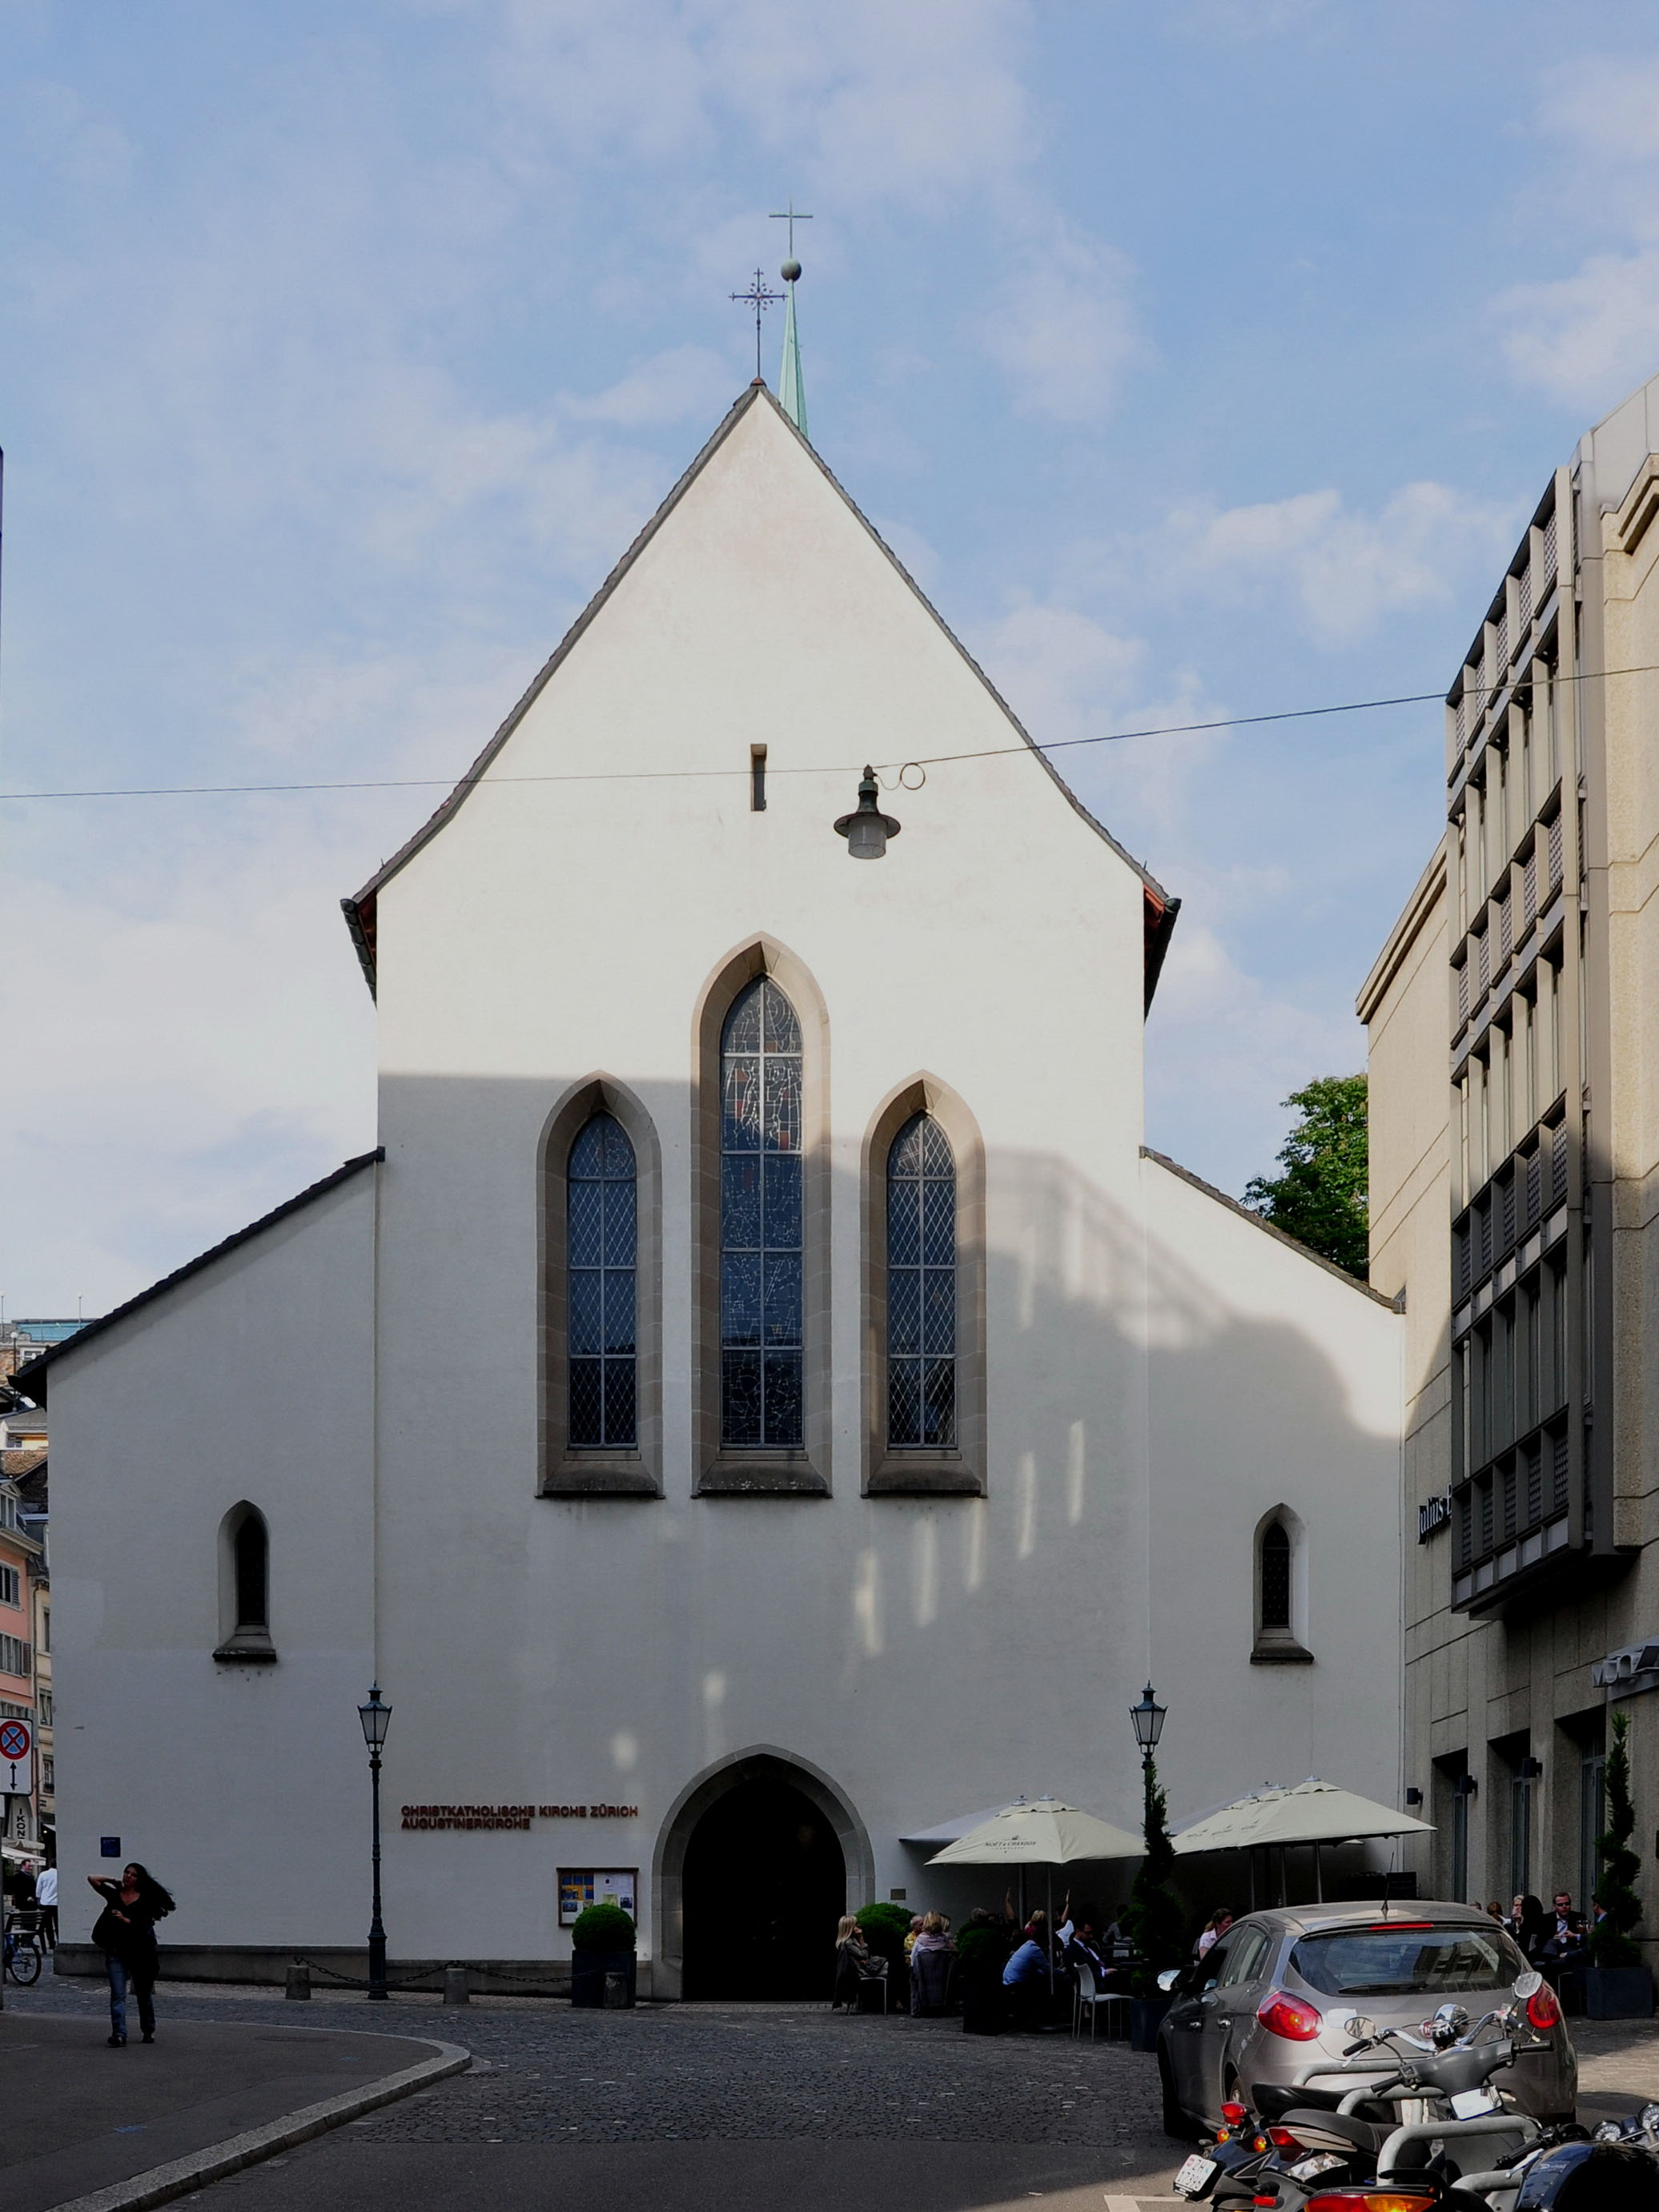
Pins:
x,y
923,760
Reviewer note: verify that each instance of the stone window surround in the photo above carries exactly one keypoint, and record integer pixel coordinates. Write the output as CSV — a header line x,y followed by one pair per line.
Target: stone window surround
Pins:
x,y
747,1471
924,1472
1280,1647
565,1472
241,1643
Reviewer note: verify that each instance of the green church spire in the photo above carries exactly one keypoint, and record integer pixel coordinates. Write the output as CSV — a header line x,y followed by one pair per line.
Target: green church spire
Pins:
x,y
792,385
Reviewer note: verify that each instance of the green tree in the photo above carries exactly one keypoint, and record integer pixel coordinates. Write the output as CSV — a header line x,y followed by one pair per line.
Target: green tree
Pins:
x,y
1152,1919
1321,1199
1610,1943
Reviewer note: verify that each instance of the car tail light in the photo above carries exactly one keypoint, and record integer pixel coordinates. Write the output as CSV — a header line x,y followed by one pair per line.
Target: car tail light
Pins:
x,y
1365,2200
1288,2017
1542,2010
1234,2114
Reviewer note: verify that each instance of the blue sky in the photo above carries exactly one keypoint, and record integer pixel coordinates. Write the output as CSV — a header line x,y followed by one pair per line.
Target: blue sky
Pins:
x,y
1199,359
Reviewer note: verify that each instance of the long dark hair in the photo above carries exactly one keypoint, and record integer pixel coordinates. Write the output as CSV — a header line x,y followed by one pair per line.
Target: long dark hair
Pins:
x,y
157,1901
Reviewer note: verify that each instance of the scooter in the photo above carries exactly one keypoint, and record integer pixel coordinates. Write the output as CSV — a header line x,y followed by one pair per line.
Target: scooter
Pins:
x,y
1436,2133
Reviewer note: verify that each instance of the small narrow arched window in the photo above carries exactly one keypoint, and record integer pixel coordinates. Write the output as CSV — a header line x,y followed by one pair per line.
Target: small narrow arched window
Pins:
x,y
601,1252
922,1289
1280,1599
244,1586
1276,1577
252,1573
761,1248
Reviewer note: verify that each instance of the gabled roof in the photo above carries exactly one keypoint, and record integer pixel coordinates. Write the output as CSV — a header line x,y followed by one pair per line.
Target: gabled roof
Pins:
x,y
1161,908
1272,1228
32,1378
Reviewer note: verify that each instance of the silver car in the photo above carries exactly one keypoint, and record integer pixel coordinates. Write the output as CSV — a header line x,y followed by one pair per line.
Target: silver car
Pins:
x,y
1274,1996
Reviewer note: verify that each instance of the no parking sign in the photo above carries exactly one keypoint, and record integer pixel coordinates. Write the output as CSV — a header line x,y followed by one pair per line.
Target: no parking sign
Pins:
x,y
16,1758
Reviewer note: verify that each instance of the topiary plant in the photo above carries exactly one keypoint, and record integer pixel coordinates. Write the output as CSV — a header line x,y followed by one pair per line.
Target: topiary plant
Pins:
x,y
603,1927
886,1926
982,1948
1610,1943
1152,1918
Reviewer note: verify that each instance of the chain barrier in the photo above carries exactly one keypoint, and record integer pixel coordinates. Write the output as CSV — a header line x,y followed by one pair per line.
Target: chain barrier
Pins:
x,y
429,1974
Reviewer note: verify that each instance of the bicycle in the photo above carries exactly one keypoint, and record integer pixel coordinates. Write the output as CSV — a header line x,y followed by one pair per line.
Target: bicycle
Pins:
x,y
23,1950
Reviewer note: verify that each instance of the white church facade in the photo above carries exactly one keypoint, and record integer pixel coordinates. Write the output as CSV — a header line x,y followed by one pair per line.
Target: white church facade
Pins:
x,y
760,1400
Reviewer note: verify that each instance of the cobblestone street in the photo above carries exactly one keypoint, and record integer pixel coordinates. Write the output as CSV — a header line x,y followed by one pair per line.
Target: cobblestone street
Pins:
x,y
1023,2115
743,2107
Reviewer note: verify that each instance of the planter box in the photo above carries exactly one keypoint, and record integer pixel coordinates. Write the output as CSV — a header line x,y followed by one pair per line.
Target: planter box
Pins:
x,y
1619,1992
589,1971
1145,2015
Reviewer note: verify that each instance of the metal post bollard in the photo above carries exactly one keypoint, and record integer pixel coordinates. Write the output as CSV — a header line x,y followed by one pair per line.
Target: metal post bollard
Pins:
x,y
299,1982
616,1998
457,1990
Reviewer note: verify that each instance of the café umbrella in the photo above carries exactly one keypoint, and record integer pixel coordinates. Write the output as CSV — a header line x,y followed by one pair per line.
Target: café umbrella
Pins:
x,y
1047,1833
1311,1812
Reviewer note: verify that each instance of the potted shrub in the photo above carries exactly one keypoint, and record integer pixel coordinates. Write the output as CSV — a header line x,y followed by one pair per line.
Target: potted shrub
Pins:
x,y
601,1944
1617,1985
1153,1921
885,1926
981,1954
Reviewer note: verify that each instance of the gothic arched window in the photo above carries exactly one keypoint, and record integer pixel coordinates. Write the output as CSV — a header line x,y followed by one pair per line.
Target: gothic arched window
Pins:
x,y
252,1570
761,1271
1275,1596
244,1586
921,1288
601,1254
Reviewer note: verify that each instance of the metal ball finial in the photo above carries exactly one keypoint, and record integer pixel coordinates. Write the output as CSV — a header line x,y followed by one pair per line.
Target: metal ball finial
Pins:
x,y
790,270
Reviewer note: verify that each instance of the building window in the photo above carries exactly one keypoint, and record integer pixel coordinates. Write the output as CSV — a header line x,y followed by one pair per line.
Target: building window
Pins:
x,y
922,1289
11,1586
1278,1602
48,1772
16,1657
762,1284
244,1586
601,1255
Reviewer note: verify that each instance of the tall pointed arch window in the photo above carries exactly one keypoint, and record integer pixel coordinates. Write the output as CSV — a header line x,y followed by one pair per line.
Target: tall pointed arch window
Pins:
x,y
761,1244
1280,1595
1276,1578
601,1251
922,1289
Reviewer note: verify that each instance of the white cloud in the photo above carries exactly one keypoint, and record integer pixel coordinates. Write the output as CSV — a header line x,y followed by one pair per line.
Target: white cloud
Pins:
x,y
867,99
1345,572
1063,327
1589,338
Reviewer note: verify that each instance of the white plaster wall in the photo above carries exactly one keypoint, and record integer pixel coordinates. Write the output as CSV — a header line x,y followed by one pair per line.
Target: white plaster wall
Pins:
x,y
931,1656
244,1789
1272,1382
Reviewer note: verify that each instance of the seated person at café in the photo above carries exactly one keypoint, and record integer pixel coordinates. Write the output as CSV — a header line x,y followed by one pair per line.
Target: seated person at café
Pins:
x,y
1080,1940
856,1964
1026,1979
931,1958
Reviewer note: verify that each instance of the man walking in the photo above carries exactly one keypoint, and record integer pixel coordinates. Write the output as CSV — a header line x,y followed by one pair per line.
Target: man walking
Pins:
x,y
45,1896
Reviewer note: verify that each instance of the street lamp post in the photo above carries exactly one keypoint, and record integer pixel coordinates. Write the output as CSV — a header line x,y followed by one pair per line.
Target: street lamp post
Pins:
x,y
375,1718
1148,1717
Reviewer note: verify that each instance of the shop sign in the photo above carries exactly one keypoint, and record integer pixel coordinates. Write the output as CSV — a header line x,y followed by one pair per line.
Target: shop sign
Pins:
x,y
1433,1515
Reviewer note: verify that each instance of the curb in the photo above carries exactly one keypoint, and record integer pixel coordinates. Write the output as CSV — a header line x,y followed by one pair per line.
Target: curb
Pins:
x,y
161,2183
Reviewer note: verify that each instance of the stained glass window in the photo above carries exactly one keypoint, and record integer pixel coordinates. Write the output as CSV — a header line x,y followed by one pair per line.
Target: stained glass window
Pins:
x,y
1275,1577
601,1182
761,1221
921,1288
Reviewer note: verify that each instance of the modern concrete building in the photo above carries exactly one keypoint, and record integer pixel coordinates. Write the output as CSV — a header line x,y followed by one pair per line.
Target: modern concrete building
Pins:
x,y
1514,1025
762,1400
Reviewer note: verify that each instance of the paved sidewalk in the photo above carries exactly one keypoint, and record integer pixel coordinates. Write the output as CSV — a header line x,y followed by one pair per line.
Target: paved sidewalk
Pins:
x,y
79,2116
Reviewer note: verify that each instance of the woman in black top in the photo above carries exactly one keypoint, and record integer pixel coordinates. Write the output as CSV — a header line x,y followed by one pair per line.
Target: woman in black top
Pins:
x,y
126,1934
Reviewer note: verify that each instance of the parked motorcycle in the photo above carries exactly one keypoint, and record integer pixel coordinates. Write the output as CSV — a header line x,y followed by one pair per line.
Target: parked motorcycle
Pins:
x,y
1433,2132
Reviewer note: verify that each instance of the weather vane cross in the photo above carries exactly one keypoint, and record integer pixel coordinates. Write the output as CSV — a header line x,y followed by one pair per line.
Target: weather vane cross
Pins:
x,y
760,300
791,214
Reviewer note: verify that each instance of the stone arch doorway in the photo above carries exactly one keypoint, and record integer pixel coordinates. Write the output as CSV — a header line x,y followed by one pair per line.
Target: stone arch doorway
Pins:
x,y
758,1861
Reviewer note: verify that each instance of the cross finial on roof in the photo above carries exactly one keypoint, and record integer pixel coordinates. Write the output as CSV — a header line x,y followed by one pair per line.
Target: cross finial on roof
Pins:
x,y
759,299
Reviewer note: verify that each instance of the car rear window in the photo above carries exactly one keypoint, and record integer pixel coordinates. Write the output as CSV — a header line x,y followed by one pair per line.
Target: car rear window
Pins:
x,y
1407,1961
